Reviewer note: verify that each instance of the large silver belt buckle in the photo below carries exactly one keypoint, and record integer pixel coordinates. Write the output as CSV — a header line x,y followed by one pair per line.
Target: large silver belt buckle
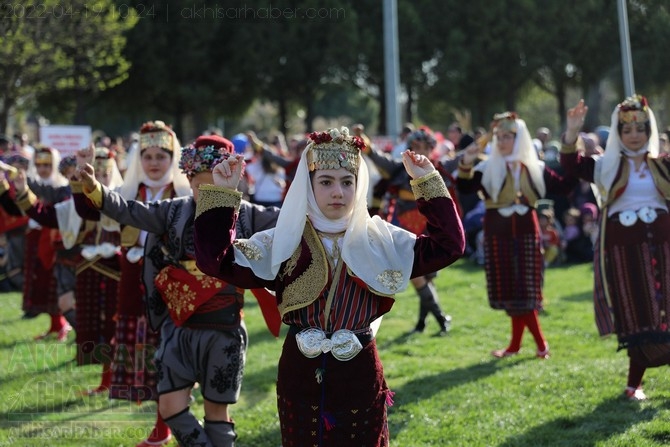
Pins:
x,y
135,254
647,214
342,344
518,208
627,218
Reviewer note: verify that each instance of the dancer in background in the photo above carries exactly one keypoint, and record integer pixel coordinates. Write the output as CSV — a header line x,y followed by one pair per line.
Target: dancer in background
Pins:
x,y
512,180
632,255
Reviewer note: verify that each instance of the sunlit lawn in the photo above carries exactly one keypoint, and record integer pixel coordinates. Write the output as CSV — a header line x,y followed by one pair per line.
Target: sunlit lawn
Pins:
x,y
449,390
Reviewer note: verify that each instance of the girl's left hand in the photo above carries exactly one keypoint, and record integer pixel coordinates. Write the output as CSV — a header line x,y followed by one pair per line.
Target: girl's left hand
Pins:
x,y
416,165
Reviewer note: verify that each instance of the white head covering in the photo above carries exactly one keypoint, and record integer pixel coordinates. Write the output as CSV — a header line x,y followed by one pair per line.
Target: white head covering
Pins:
x,y
115,182
135,174
56,179
495,168
607,166
373,249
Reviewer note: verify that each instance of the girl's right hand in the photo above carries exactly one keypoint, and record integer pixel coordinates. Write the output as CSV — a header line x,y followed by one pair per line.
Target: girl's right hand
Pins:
x,y
575,121
229,172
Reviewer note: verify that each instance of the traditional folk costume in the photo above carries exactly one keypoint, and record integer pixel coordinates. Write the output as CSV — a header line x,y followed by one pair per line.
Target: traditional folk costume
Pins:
x,y
134,373
48,271
632,255
203,336
14,224
332,279
513,260
401,209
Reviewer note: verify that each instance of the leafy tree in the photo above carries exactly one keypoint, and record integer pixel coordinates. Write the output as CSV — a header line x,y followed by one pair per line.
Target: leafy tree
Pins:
x,y
301,49
59,49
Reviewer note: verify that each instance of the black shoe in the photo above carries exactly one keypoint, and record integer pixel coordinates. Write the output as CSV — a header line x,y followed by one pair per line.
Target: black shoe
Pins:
x,y
415,331
29,315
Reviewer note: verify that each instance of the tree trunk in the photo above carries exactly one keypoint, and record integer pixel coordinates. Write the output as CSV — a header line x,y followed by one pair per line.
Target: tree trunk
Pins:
x,y
7,103
410,104
560,98
309,115
79,108
283,115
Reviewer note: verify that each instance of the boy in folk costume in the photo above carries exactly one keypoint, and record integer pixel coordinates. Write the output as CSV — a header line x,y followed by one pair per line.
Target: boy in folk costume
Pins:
x,y
404,212
203,336
631,260
335,270
512,180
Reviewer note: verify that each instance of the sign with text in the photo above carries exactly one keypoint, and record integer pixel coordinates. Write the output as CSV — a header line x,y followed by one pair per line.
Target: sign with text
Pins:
x,y
67,139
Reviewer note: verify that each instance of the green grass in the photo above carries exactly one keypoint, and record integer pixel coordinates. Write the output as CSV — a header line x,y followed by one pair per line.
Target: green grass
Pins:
x,y
449,391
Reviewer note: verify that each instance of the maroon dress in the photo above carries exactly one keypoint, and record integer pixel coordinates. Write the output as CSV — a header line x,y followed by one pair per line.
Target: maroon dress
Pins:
x,y
322,400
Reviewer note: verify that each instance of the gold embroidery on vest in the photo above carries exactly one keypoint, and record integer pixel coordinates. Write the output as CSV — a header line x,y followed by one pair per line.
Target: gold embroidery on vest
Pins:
x,y
307,287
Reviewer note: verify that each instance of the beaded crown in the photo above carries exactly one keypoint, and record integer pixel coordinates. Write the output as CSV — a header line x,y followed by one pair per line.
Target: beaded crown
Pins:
x,y
506,122
334,149
156,133
634,109
43,155
104,158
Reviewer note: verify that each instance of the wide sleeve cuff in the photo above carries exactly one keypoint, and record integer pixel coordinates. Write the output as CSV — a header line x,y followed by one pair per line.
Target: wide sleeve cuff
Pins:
x,y
76,187
212,196
429,186
465,171
571,148
26,200
95,196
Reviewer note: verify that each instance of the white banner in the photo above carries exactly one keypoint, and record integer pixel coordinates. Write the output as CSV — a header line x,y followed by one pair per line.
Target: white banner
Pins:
x,y
67,139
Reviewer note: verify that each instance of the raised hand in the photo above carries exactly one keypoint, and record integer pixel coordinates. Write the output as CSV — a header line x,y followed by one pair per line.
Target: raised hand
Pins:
x,y
20,181
470,153
575,120
7,170
416,165
87,175
229,172
86,155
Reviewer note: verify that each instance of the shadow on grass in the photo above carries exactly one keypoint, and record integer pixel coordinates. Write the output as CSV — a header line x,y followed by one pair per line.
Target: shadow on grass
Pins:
x,y
424,387
612,417
269,436
262,380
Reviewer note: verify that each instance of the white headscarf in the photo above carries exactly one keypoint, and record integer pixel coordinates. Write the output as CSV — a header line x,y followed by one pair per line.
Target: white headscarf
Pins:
x,y
495,167
56,179
135,174
373,249
607,166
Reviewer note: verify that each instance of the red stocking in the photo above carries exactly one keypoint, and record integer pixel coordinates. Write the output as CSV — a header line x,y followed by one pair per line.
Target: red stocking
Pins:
x,y
533,324
518,326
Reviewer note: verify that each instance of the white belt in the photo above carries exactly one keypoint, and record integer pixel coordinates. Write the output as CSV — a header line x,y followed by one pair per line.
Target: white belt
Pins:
x,y
518,208
135,254
104,250
646,214
343,344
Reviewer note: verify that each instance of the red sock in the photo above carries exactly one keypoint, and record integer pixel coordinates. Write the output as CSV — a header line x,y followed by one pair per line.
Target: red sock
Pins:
x,y
518,325
58,322
635,374
106,379
161,429
533,324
